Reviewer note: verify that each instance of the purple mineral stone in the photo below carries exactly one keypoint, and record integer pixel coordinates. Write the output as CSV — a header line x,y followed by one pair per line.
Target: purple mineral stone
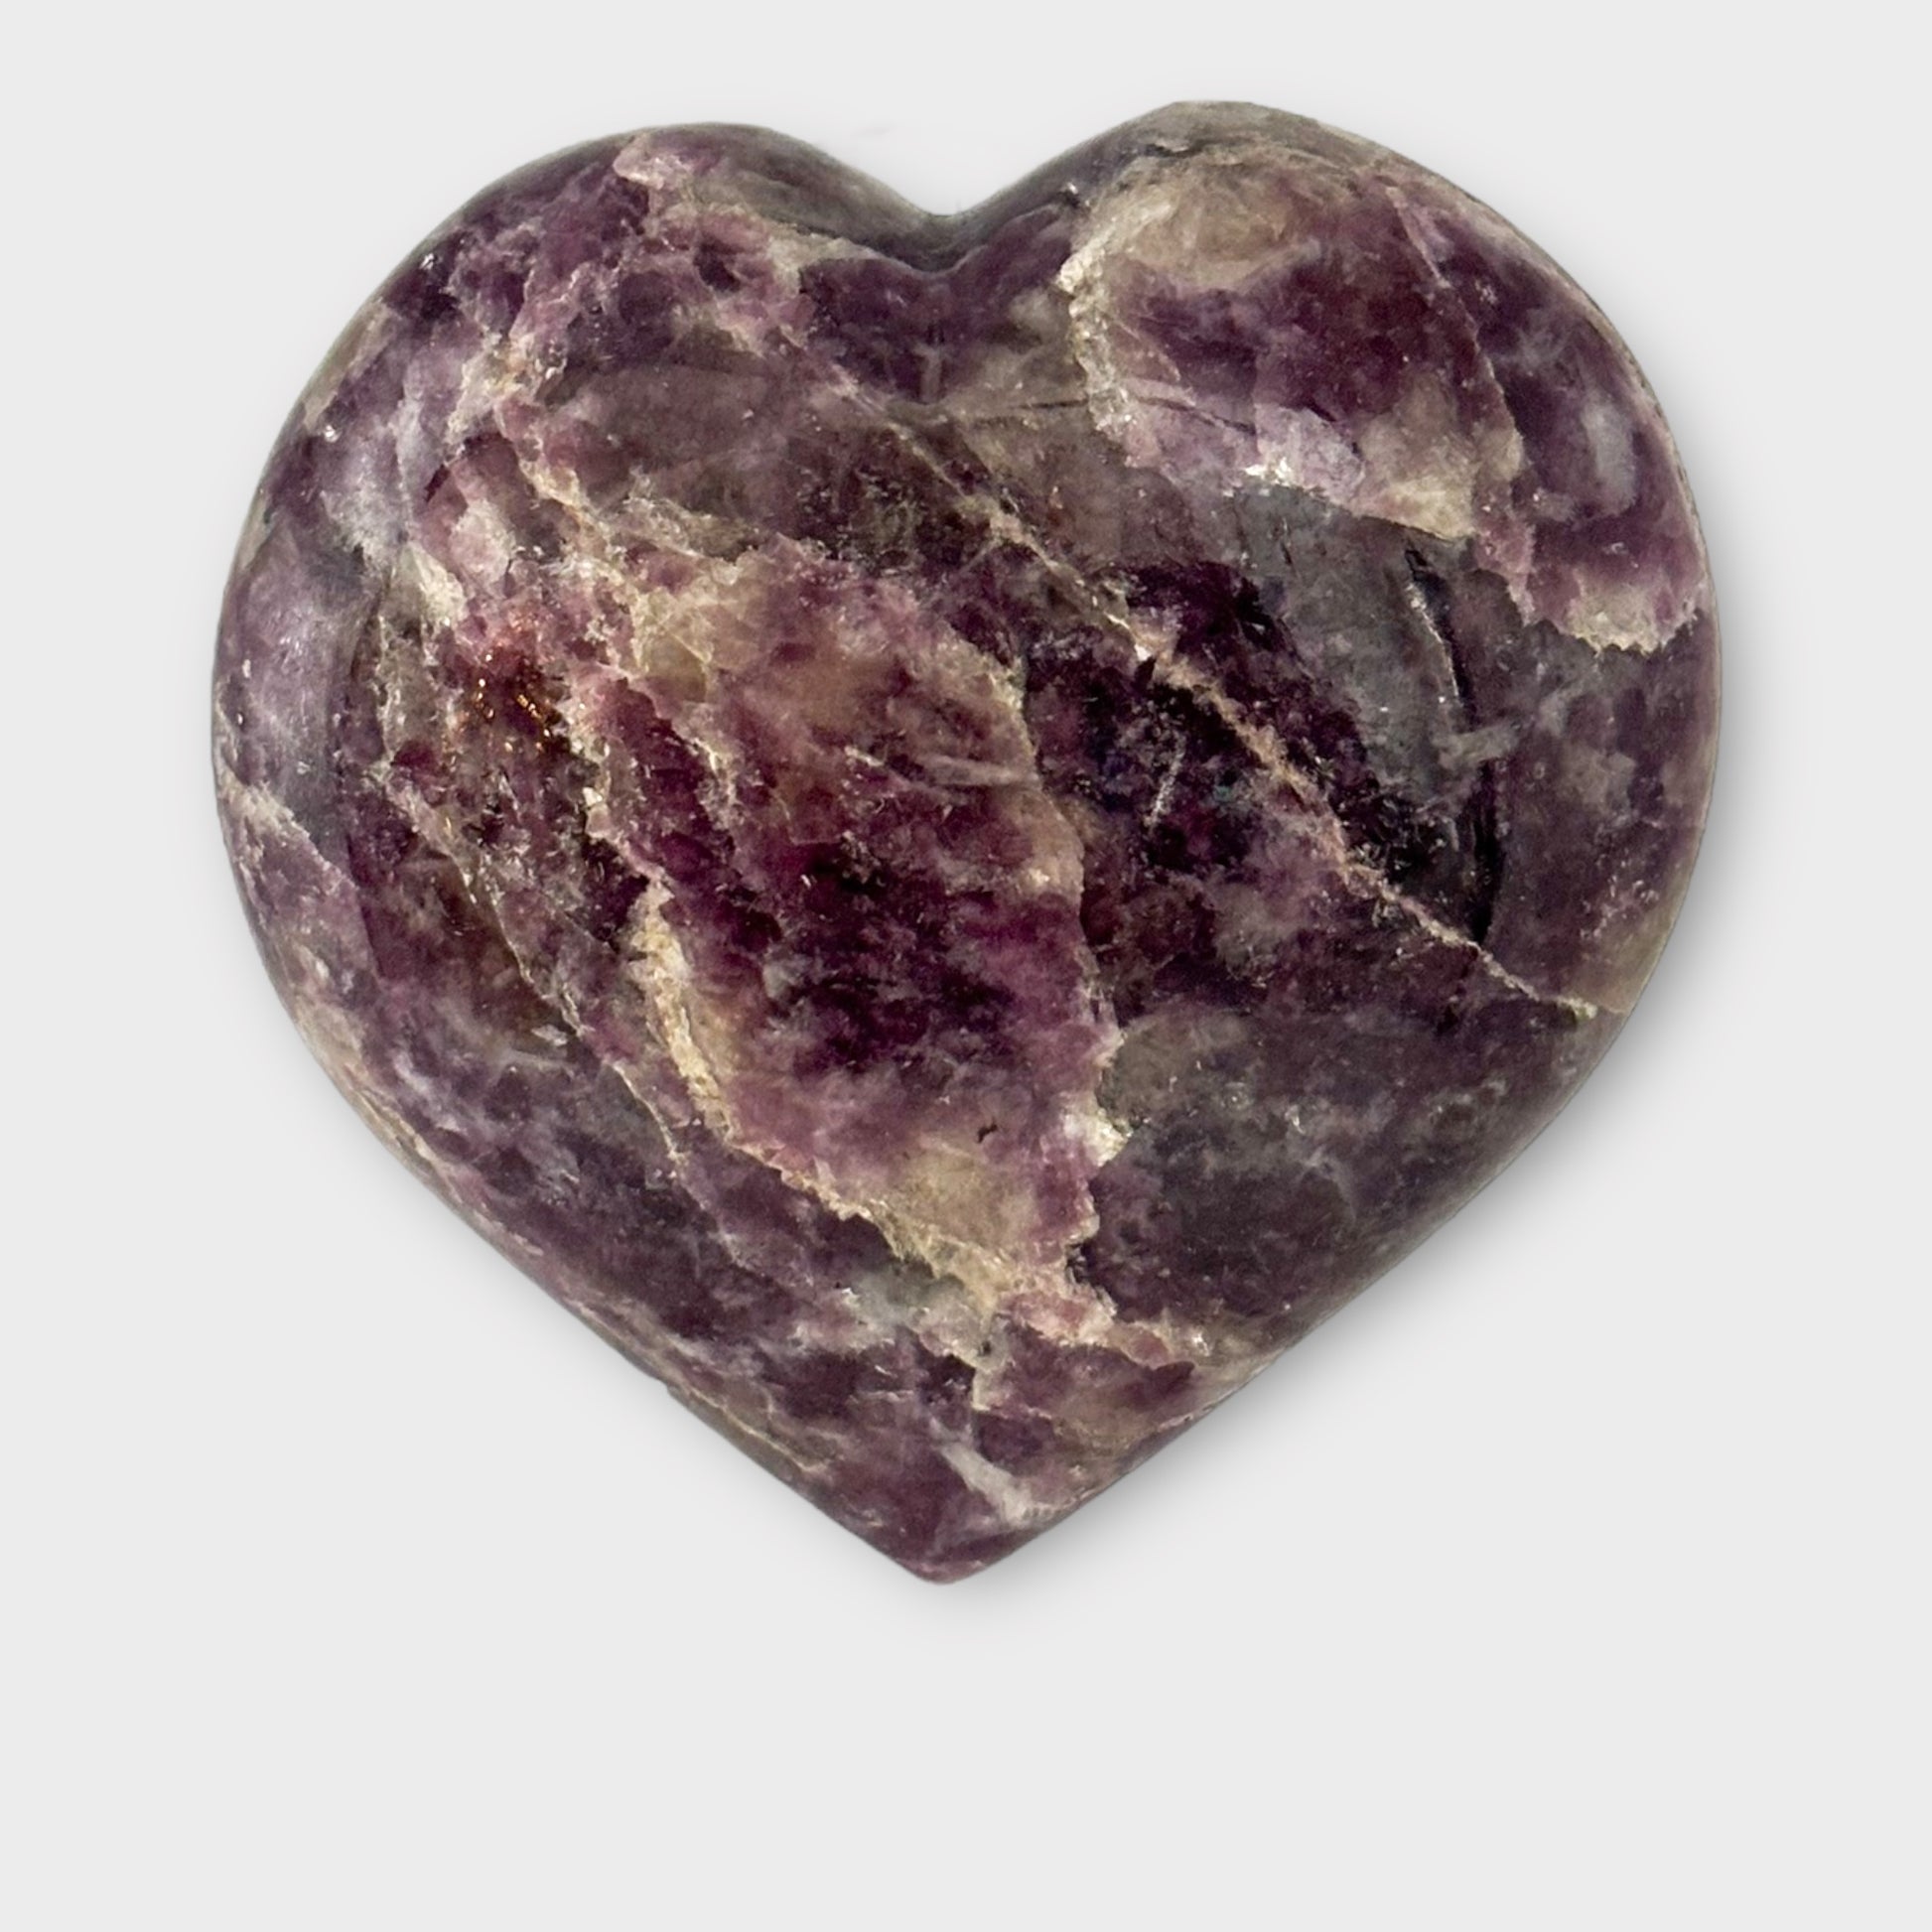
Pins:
x,y
954,829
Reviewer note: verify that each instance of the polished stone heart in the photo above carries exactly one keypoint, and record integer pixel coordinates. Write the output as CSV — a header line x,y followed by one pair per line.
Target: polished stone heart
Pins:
x,y
954,829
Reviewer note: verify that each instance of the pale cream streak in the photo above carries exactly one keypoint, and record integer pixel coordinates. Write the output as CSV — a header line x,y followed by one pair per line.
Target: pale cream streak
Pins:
x,y
1383,480
1602,616
1268,751
988,1276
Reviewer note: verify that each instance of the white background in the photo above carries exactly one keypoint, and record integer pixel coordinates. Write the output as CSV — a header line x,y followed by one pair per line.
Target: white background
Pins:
x,y
1576,1576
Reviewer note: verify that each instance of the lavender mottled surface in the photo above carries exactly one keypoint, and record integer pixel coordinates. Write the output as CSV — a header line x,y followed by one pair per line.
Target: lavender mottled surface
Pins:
x,y
953,829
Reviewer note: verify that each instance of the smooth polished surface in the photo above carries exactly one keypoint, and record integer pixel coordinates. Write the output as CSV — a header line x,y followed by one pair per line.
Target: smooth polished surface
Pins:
x,y
953,829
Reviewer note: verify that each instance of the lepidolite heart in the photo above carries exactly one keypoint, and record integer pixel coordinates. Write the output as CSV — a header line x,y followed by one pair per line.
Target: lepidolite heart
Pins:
x,y
954,829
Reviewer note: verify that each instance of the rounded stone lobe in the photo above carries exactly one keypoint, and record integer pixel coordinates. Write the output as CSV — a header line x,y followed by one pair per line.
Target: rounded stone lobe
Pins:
x,y
954,828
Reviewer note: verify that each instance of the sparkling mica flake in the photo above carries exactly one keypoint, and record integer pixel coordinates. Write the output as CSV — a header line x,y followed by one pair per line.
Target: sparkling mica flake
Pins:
x,y
954,829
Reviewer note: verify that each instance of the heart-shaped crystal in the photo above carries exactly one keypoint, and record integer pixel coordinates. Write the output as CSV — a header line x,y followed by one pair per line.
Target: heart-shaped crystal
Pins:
x,y
953,829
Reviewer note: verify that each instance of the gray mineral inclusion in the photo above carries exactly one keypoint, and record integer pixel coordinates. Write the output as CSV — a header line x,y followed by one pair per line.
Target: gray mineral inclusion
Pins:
x,y
954,829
